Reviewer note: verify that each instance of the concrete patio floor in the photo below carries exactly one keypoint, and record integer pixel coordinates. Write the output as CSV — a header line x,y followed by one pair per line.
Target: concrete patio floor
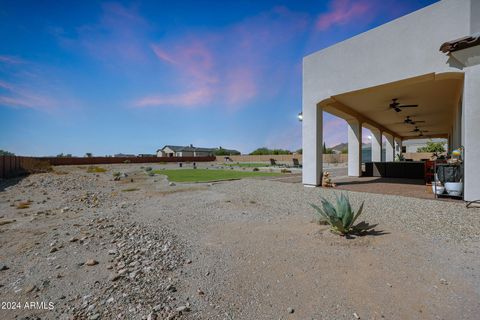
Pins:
x,y
391,186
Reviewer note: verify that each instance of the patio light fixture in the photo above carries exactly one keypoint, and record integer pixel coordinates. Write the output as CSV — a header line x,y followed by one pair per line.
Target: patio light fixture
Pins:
x,y
300,116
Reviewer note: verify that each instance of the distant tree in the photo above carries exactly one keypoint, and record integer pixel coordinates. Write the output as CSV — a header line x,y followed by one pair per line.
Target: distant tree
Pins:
x,y
224,152
344,151
327,150
88,155
6,153
266,151
62,155
299,151
433,147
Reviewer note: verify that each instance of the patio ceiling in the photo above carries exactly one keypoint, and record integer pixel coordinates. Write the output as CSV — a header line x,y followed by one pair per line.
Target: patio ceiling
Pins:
x,y
436,95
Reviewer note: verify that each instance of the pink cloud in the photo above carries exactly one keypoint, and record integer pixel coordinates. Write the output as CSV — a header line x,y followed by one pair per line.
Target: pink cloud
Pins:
x,y
342,12
232,65
187,99
19,97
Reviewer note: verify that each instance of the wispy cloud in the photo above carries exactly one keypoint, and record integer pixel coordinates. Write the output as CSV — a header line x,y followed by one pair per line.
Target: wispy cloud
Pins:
x,y
342,12
10,59
12,95
119,35
228,67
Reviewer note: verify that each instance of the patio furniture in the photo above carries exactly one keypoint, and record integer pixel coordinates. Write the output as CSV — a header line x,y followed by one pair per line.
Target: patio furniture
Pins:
x,y
429,171
398,169
447,173
296,163
274,163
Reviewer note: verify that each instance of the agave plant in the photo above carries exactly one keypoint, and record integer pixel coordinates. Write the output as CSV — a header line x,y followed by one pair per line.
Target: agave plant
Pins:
x,y
341,217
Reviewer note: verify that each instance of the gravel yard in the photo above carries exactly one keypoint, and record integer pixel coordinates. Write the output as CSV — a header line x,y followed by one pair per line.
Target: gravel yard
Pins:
x,y
84,246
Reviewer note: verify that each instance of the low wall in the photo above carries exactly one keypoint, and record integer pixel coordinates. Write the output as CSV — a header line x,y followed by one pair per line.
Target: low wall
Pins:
x,y
418,156
11,166
286,158
54,161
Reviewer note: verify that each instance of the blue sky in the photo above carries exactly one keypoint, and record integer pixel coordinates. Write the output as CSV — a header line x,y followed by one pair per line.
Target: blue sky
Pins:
x,y
111,77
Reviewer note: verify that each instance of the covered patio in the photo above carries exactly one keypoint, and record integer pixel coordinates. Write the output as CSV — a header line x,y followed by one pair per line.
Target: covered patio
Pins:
x,y
396,82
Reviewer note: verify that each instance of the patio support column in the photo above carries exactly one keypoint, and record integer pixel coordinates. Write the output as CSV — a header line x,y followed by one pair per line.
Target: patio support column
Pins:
x,y
354,148
398,146
376,145
312,141
389,148
471,132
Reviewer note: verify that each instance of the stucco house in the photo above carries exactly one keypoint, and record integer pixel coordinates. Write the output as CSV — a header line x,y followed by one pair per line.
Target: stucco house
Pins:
x,y
190,151
429,59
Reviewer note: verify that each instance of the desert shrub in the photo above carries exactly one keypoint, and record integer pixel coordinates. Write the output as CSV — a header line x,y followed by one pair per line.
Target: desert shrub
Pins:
x,y
95,169
127,161
341,217
285,171
130,189
256,169
148,169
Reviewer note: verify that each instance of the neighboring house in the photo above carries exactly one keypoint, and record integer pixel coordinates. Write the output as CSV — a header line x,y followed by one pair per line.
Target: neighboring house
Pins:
x,y
123,155
190,151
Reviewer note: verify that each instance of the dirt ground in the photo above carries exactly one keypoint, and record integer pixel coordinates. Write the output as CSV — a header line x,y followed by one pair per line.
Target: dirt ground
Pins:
x,y
79,245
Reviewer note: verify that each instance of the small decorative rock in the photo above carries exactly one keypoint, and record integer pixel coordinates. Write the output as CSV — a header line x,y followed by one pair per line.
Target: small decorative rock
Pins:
x,y
91,262
3,267
182,308
54,249
171,184
152,316
443,281
30,288
114,277
290,310
356,315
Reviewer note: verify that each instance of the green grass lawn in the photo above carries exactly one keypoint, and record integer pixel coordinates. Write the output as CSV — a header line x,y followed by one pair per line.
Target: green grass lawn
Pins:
x,y
205,175
247,165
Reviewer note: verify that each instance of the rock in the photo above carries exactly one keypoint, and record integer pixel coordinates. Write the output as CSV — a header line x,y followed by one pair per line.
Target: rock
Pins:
x,y
65,209
443,281
188,261
172,184
182,309
152,316
54,249
29,288
290,310
95,316
171,288
200,292
114,277
356,315
91,262
3,267
74,239
112,252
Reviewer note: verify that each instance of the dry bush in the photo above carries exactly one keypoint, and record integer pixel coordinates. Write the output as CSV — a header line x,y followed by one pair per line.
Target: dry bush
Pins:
x,y
96,169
